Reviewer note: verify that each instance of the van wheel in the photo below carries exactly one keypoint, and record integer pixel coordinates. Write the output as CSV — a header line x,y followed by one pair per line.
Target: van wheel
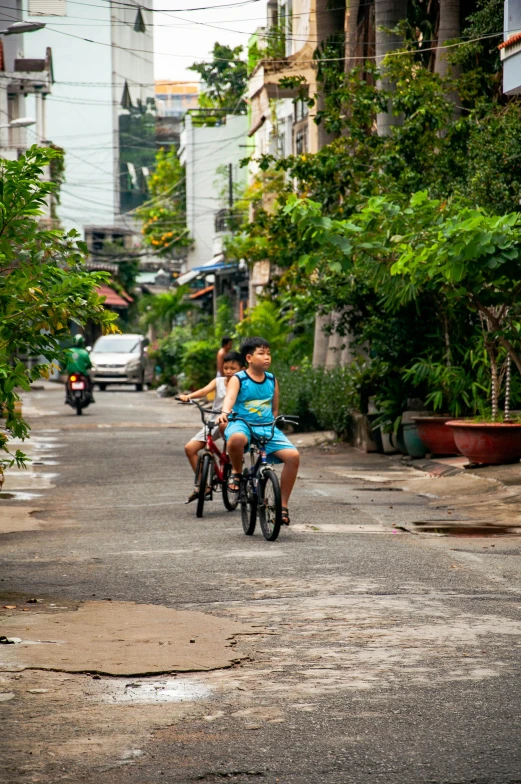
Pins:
x,y
102,387
139,387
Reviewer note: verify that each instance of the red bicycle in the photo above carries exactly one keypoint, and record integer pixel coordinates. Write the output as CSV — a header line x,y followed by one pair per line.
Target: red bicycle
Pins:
x,y
213,466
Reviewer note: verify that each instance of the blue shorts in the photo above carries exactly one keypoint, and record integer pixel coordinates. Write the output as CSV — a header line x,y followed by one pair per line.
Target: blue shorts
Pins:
x,y
279,440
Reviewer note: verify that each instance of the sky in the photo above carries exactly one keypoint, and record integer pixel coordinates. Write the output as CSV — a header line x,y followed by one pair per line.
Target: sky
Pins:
x,y
182,37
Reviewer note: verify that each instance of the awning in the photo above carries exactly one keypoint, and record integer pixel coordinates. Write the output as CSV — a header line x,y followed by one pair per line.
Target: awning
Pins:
x,y
112,297
219,265
194,273
201,292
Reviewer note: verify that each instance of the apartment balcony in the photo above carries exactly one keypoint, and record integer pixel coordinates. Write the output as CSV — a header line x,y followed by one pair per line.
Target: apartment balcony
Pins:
x,y
510,52
510,49
265,84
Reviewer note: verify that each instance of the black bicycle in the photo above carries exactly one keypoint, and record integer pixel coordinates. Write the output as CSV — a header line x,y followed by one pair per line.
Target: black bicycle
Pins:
x,y
259,491
213,466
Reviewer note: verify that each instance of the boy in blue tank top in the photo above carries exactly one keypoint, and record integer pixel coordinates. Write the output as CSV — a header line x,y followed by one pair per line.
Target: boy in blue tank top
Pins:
x,y
254,395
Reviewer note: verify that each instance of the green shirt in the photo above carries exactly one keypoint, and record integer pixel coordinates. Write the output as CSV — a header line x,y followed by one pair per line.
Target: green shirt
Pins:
x,y
78,361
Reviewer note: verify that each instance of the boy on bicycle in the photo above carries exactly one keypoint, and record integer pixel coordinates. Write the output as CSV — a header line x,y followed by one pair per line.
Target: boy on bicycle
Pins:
x,y
232,363
253,394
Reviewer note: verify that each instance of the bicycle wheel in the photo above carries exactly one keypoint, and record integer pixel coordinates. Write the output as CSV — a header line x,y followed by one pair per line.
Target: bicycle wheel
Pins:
x,y
270,509
204,481
248,501
230,498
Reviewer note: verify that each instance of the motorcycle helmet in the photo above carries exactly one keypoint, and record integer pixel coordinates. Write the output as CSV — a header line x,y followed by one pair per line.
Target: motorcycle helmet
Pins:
x,y
78,341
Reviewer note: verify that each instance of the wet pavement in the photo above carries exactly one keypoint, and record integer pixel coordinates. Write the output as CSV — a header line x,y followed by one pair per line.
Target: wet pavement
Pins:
x,y
382,638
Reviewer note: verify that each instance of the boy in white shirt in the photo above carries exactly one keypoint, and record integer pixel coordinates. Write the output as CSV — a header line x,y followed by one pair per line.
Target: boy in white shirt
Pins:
x,y
232,363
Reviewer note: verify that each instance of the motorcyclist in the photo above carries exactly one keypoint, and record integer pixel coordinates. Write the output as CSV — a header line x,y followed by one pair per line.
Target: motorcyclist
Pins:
x,y
78,361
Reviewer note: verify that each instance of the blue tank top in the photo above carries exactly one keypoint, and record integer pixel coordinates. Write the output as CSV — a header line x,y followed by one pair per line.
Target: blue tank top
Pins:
x,y
255,399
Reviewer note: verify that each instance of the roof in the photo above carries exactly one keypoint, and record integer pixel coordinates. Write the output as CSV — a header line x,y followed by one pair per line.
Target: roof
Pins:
x,y
112,297
514,39
201,292
194,273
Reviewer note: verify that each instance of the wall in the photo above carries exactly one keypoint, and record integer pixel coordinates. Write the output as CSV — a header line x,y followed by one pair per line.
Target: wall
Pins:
x,y
79,111
134,126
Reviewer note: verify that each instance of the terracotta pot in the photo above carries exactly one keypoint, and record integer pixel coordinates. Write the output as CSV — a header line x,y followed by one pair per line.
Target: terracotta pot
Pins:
x,y
438,439
494,443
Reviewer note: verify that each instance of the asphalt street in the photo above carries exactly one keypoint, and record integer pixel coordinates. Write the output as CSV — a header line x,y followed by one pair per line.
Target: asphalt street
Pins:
x,y
370,652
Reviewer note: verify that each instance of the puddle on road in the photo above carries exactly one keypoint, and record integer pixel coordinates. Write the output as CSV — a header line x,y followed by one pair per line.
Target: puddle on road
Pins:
x,y
465,529
19,496
151,692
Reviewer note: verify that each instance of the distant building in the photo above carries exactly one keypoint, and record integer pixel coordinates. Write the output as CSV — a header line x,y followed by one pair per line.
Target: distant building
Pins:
x,y
207,153
25,83
173,101
511,48
102,109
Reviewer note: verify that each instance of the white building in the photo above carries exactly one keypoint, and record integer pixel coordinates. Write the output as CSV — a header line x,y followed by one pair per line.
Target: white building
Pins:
x,y
21,76
207,152
102,106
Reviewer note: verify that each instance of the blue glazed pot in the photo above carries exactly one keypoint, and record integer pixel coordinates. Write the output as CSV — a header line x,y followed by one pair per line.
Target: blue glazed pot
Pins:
x,y
415,446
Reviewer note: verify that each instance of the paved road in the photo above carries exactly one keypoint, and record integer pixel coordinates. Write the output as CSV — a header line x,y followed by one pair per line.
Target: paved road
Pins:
x,y
376,655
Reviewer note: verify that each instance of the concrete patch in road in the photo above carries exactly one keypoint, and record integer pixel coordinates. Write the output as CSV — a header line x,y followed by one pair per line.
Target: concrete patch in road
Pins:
x,y
348,528
16,519
120,638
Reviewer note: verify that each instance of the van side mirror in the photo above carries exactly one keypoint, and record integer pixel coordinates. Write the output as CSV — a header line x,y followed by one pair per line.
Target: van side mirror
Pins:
x,y
89,349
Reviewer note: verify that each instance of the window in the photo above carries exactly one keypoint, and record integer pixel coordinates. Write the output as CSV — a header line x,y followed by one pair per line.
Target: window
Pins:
x,y
47,8
126,99
139,24
301,142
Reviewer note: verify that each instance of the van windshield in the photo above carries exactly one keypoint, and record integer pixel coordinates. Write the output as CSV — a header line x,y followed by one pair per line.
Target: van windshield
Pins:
x,y
111,345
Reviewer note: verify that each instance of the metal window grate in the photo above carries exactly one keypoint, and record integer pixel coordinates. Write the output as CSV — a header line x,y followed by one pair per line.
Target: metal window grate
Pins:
x,y
47,8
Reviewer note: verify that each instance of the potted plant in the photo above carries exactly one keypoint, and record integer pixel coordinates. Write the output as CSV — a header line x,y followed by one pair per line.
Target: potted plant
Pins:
x,y
475,259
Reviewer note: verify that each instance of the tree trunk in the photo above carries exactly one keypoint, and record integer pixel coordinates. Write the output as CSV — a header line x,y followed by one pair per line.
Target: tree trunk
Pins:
x,y
351,31
387,15
448,28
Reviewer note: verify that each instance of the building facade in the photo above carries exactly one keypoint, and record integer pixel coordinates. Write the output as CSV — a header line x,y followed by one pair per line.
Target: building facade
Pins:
x,y
281,123
173,101
208,152
102,109
511,48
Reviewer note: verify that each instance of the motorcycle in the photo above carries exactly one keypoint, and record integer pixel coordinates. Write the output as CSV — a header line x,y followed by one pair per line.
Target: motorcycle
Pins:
x,y
78,392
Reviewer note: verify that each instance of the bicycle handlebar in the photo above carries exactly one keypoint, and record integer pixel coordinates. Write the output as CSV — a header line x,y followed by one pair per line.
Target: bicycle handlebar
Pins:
x,y
202,409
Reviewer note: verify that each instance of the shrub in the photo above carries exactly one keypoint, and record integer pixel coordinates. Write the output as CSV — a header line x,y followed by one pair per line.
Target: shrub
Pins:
x,y
198,362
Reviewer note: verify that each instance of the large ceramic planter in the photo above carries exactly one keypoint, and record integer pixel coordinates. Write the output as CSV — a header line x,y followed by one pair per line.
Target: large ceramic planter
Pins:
x,y
414,444
438,439
494,443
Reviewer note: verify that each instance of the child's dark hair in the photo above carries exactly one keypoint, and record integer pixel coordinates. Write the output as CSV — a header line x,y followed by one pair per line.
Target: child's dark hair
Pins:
x,y
233,356
249,345
226,339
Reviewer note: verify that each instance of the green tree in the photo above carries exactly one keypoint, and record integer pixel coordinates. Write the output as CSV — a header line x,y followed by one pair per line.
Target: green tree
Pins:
x,y
225,78
161,310
164,214
44,286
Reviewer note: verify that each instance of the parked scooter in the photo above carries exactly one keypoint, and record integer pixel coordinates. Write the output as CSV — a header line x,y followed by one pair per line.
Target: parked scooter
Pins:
x,y
78,392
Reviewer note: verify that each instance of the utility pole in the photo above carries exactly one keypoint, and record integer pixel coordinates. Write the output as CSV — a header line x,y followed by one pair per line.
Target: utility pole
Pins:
x,y
230,186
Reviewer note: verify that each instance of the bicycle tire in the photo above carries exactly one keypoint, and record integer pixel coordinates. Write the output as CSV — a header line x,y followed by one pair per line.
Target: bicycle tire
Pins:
x,y
230,499
270,507
248,502
203,484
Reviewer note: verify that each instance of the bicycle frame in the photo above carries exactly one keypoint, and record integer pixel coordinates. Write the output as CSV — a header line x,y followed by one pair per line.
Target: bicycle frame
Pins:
x,y
258,444
220,459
